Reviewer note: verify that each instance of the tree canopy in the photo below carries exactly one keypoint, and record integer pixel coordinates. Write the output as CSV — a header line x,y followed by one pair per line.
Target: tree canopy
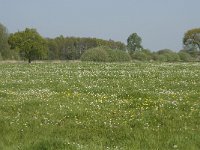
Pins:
x,y
29,43
72,48
134,43
4,47
191,39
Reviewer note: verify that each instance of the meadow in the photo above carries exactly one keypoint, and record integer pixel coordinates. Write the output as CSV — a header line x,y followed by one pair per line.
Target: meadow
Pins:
x,y
99,106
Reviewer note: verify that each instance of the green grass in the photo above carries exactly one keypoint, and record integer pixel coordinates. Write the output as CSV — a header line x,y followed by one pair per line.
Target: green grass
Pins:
x,y
97,106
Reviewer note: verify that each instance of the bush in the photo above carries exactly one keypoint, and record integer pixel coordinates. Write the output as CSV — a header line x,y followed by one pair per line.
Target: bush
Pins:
x,y
144,55
164,51
105,54
97,54
173,57
185,56
122,56
166,55
155,56
194,53
117,55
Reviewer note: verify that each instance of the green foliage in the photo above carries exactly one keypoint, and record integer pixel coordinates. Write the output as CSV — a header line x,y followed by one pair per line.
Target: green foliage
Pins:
x,y
164,51
115,55
185,57
71,48
167,55
134,43
139,56
53,53
29,43
194,53
5,51
191,39
142,55
97,54
100,106
1,58
50,144
105,54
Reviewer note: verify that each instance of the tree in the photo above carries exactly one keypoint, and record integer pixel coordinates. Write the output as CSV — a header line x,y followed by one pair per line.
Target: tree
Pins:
x,y
29,43
72,48
134,43
53,52
4,47
191,39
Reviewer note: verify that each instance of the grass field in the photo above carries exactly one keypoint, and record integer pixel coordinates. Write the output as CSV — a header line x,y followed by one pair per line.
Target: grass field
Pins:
x,y
96,106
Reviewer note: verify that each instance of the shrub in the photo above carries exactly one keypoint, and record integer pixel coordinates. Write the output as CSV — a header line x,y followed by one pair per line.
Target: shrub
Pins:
x,y
194,53
117,55
144,55
155,56
185,56
164,51
166,55
122,56
97,54
169,57
105,54
173,57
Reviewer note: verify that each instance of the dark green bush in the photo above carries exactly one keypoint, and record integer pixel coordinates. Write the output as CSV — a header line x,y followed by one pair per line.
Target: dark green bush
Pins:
x,y
169,57
194,53
117,55
97,54
166,55
164,51
143,55
105,54
185,56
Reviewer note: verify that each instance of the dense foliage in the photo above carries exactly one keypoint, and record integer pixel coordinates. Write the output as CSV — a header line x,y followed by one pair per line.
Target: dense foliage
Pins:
x,y
97,106
134,43
97,54
142,55
29,43
105,54
5,52
72,48
185,57
191,39
115,55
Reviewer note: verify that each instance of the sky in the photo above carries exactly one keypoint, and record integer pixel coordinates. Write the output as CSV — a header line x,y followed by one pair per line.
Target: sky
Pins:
x,y
160,23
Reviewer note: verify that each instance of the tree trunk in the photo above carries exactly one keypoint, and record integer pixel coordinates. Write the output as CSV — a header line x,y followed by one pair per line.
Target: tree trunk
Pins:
x,y
29,60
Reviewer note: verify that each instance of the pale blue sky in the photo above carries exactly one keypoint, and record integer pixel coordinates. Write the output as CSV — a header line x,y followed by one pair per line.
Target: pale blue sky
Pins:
x,y
160,23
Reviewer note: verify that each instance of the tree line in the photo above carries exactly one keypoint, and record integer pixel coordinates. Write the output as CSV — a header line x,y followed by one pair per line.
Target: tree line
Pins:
x,y
71,48
30,45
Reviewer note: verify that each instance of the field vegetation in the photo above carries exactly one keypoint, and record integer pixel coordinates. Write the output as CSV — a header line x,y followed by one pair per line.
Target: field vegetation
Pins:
x,y
29,45
105,54
99,106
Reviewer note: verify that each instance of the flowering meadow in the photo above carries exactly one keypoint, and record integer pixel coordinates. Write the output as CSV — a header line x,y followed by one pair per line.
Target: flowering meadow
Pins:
x,y
97,106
